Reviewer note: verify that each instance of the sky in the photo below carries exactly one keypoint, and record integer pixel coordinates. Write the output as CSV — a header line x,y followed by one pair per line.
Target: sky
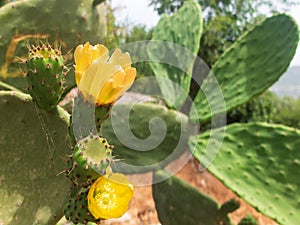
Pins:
x,y
132,12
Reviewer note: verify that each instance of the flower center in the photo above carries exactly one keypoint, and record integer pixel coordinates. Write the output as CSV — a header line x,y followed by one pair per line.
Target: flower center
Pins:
x,y
105,196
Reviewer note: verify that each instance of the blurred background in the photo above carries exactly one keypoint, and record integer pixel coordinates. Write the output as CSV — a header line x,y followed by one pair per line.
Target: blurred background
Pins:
x,y
224,22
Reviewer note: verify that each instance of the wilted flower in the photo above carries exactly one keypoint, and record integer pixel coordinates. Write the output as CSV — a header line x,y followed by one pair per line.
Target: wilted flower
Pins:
x,y
109,196
100,78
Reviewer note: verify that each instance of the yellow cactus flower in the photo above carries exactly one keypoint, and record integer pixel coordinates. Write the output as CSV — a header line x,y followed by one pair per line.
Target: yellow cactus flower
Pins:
x,y
100,78
109,196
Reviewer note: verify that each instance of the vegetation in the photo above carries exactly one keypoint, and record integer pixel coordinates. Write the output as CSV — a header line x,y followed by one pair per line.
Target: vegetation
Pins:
x,y
45,150
286,111
224,20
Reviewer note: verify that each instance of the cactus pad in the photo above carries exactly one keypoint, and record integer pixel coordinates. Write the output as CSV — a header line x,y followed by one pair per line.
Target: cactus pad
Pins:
x,y
45,76
179,203
33,149
68,22
251,65
174,46
76,209
92,155
145,136
261,163
87,118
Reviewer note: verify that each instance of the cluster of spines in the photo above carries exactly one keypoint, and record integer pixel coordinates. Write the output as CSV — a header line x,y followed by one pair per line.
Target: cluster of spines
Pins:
x,y
45,75
76,209
84,168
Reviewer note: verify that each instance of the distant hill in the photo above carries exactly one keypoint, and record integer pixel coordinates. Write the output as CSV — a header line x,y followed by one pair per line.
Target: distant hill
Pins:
x,y
289,83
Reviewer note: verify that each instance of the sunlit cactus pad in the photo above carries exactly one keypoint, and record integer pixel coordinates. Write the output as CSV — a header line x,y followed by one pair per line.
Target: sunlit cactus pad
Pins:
x,y
252,64
261,163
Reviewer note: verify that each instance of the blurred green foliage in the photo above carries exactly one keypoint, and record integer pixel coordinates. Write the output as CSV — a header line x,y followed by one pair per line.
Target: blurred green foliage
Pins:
x,y
267,107
259,109
287,111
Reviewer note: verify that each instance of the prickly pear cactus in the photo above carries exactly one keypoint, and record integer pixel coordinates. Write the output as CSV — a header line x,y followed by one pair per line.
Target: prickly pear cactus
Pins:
x,y
45,76
183,28
33,153
251,65
68,22
87,118
179,203
91,156
145,143
261,163
76,208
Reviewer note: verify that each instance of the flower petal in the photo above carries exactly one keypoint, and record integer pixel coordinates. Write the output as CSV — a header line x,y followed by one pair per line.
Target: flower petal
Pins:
x,y
84,55
119,58
102,80
115,87
109,196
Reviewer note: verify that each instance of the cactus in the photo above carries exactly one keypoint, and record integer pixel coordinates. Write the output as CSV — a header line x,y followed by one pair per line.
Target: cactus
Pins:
x,y
261,163
33,149
251,155
183,28
91,156
87,118
251,65
132,138
82,21
177,202
76,209
45,76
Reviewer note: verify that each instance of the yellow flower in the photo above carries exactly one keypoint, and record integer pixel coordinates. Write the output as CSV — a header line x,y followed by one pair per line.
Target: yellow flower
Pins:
x,y
100,78
109,196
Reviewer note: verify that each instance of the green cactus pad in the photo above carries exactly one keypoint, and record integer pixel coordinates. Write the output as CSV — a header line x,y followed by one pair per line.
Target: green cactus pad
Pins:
x,y
33,151
179,203
69,22
45,76
261,163
76,209
150,137
251,65
87,118
174,62
92,155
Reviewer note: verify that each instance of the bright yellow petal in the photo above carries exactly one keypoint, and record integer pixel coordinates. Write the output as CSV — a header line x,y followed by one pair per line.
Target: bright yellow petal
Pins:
x,y
120,87
102,80
119,58
104,73
85,82
84,55
109,94
109,196
130,76
115,87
